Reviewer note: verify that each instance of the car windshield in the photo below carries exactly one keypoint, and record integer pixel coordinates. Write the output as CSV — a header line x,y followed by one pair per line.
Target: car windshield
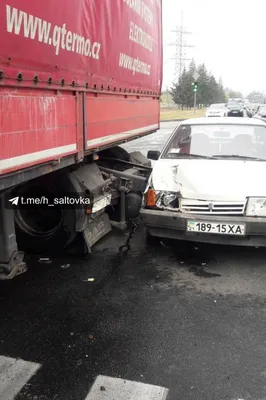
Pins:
x,y
217,106
217,141
235,104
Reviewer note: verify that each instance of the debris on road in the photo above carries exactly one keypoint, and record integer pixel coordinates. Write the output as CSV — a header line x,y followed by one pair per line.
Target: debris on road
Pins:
x,y
91,279
65,266
45,260
164,245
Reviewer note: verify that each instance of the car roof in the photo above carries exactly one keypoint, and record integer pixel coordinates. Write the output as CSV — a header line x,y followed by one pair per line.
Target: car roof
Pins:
x,y
224,121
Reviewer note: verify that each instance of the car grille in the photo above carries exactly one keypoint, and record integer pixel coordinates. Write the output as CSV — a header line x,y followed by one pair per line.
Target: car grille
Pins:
x,y
214,208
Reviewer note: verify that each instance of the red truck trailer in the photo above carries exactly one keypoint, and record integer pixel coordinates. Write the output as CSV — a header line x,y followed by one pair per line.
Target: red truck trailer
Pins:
x,y
77,78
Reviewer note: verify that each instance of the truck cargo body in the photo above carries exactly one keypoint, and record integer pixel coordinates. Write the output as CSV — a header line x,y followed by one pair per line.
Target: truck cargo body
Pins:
x,y
75,78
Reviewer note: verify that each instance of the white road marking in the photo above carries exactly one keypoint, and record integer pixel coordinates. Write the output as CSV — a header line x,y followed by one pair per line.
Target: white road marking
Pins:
x,y
14,374
107,388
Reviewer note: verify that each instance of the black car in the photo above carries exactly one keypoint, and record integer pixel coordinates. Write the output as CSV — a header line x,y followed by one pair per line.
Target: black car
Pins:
x,y
235,109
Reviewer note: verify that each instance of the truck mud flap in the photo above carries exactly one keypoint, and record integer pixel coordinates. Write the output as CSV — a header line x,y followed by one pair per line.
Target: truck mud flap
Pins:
x,y
96,229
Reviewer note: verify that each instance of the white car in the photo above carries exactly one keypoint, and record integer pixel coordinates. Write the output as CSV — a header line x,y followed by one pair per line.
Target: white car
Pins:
x,y
216,110
208,184
261,113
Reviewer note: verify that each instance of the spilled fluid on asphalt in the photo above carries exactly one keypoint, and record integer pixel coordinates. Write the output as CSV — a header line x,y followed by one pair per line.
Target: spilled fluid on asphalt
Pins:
x,y
194,256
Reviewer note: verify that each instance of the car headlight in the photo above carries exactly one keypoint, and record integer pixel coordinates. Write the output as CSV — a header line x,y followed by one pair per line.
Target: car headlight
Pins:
x,y
160,199
256,207
168,198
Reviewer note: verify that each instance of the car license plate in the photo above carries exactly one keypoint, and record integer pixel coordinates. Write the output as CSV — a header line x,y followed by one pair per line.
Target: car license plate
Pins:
x,y
216,227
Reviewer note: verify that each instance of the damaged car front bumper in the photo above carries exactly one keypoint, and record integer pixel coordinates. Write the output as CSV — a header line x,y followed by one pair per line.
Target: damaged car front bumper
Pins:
x,y
228,230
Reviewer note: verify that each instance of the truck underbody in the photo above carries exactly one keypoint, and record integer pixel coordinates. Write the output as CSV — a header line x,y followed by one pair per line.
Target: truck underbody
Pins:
x,y
113,185
37,129
74,85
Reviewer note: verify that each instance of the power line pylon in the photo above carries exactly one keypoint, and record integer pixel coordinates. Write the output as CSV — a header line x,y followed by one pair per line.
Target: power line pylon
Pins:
x,y
181,46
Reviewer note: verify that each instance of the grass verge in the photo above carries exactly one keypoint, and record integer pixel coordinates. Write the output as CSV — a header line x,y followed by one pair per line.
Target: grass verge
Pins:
x,y
170,114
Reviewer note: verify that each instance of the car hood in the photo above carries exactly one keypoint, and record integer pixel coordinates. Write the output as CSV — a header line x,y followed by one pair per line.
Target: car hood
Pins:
x,y
232,180
215,110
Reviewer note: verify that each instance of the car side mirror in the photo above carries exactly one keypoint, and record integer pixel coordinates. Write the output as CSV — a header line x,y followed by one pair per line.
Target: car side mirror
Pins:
x,y
153,154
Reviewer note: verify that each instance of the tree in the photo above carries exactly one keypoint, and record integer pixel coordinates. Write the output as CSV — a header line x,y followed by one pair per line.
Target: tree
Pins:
x,y
232,94
209,91
216,91
182,92
192,67
222,94
256,97
203,81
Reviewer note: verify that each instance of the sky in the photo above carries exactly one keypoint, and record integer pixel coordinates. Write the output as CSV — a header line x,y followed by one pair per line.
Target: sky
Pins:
x,y
228,35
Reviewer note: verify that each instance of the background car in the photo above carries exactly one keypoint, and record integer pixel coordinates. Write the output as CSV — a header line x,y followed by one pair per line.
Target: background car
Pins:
x,y
216,110
261,113
248,109
253,108
235,109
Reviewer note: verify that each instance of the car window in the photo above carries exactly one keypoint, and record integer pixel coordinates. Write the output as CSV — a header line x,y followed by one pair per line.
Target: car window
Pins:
x,y
217,106
233,105
217,140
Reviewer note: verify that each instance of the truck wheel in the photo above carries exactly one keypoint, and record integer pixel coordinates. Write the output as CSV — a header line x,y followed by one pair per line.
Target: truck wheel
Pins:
x,y
138,158
116,152
45,229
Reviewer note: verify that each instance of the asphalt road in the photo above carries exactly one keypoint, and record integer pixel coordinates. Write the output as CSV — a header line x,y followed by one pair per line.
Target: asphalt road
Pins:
x,y
132,322
154,141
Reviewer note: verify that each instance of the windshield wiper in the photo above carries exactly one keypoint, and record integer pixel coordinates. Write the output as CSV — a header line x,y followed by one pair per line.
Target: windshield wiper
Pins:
x,y
189,155
238,156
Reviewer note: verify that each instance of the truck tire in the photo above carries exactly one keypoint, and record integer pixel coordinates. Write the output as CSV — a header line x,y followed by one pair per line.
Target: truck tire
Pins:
x,y
116,152
138,158
45,229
